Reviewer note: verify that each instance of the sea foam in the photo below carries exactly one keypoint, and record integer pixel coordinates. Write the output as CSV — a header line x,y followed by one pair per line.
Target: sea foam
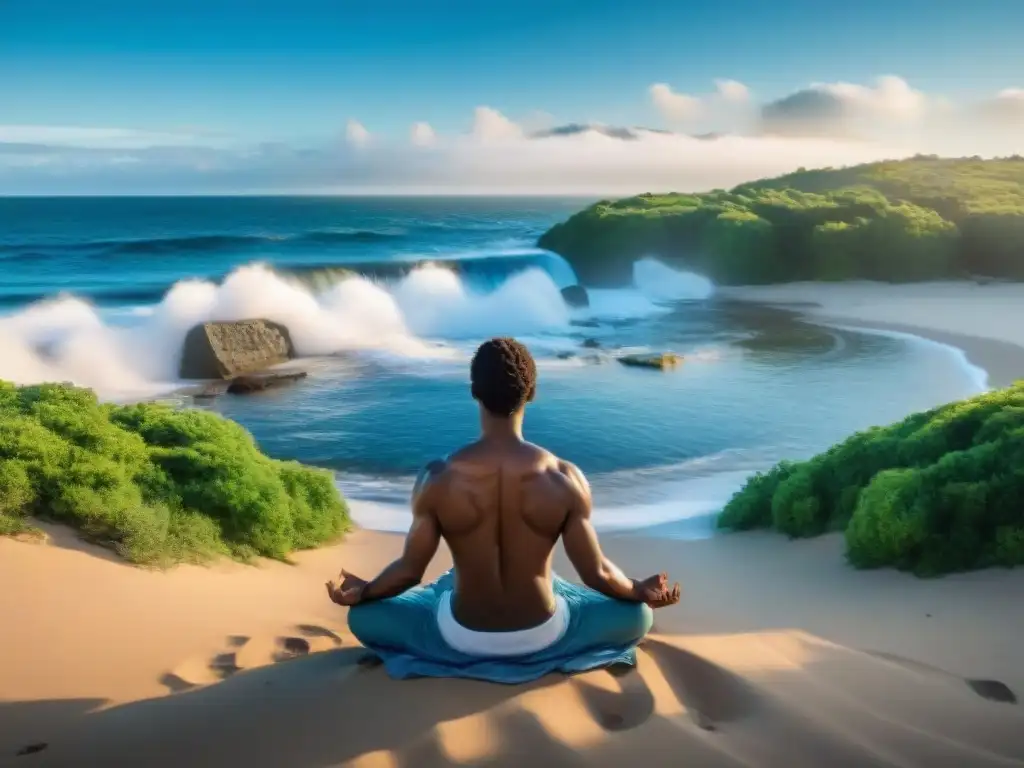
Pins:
x,y
430,313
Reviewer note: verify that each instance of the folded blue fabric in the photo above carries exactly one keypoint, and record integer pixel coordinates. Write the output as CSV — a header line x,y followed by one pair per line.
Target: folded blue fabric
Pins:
x,y
404,632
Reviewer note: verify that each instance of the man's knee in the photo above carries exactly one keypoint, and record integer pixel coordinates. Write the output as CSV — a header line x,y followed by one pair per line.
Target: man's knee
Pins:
x,y
368,623
638,620
617,622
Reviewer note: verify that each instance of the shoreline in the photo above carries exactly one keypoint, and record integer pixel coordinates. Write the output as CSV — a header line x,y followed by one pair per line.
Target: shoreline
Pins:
x,y
985,323
1002,362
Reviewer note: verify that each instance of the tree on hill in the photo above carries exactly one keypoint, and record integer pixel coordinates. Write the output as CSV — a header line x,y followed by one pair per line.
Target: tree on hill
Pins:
x,y
919,219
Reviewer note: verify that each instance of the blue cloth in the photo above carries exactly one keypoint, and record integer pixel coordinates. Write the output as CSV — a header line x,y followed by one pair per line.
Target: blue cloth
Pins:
x,y
403,631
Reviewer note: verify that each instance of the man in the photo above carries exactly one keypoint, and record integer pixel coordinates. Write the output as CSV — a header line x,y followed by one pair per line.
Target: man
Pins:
x,y
501,504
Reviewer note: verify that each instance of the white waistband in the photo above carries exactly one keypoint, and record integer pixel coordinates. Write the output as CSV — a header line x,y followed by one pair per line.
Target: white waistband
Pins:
x,y
515,643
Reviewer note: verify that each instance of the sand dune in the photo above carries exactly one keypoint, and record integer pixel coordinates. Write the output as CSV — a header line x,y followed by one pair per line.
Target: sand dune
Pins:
x,y
109,665
785,699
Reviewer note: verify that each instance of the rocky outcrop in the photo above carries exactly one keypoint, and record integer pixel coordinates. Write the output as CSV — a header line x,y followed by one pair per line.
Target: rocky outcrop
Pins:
x,y
245,385
660,360
576,296
233,349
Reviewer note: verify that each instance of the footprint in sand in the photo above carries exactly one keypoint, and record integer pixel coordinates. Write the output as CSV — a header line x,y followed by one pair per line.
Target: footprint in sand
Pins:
x,y
244,652
617,697
624,697
993,690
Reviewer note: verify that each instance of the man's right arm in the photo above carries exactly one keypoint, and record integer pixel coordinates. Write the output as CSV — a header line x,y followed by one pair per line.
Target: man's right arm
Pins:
x,y
584,551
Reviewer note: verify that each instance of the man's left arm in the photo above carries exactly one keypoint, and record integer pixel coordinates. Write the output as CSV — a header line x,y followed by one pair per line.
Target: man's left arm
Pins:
x,y
421,543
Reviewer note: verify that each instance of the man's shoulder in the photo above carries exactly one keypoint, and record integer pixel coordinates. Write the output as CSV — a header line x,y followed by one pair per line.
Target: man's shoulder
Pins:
x,y
429,475
574,475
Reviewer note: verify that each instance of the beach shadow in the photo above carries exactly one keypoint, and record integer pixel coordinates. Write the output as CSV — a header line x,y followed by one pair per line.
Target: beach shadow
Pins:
x,y
325,709
631,705
338,708
327,702
52,534
710,693
28,727
992,690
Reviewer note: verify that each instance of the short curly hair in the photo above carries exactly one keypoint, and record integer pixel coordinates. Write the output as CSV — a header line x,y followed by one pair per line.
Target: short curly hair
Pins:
x,y
503,376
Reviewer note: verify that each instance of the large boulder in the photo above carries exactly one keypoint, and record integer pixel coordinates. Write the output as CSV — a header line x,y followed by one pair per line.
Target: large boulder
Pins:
x,y
576,296
230,350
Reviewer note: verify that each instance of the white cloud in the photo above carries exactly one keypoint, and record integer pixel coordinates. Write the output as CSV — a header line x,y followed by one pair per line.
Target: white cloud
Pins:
x,y
824,124
100,138
847,110
732,91
537,120
422,135
356,134
724,109
490,125
673,106
1006,109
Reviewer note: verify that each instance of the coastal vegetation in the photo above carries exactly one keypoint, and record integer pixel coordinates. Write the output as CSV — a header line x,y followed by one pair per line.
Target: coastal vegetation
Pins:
x,y
924,218
158,485
937,492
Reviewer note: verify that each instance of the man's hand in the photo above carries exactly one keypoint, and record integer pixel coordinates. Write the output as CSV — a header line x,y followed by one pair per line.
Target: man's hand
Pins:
x,y
656,592
347,590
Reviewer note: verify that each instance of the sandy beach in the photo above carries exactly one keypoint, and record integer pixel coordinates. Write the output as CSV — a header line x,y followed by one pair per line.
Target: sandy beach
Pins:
x,y
985,321
779,654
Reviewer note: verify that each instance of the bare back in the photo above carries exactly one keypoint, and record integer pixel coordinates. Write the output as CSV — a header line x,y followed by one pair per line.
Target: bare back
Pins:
x,y
501,508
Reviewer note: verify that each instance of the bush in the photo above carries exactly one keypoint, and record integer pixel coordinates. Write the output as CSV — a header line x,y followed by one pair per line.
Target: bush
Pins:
x,y
937,492
157,485
920,219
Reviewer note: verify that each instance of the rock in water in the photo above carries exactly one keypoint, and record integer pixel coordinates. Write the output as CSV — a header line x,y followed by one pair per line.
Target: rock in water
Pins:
x,y
660,360
229,350
245,385
576,296
207,391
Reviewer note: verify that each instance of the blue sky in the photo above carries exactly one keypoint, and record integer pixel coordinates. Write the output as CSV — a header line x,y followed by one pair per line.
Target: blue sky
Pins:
x,y
298,68
294,71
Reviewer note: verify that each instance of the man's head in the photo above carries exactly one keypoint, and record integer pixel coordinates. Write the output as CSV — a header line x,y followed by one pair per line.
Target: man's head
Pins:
x,y
504,376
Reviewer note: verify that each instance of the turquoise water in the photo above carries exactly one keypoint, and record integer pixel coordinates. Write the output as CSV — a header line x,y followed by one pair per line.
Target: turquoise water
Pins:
x,y
101,291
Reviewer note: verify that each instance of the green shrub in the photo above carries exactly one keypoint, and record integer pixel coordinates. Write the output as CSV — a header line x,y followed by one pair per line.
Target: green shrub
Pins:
x,y
156,484
937,492
920,219
751,507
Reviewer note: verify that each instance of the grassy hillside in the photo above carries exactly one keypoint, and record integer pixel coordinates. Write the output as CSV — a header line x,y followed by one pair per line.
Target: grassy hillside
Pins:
x,y
919,219
940,491
157,485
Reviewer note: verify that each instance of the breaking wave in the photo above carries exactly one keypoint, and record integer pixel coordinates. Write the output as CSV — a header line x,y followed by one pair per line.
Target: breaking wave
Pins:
x,y
430,311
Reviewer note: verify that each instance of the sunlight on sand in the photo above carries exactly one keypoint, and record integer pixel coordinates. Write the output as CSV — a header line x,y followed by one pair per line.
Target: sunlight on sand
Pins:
x,y
265,674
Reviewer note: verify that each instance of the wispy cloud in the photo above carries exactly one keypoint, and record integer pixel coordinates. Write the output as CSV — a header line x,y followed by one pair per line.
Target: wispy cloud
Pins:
x,y
673,106
490,125
356,134
732,91
724,104
422,135
104,138
846,109
822,124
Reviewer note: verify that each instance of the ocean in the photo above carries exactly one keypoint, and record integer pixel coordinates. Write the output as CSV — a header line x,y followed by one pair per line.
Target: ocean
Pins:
x,y
387,298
